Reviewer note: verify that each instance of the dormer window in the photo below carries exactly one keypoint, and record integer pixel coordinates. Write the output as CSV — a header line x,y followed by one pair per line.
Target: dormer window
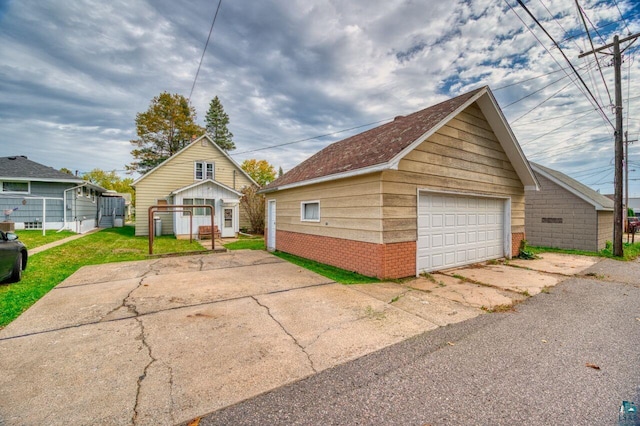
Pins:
x,y
203,170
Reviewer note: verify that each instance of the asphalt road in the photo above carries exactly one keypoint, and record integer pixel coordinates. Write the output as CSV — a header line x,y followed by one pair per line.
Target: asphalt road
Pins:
x,y
529,367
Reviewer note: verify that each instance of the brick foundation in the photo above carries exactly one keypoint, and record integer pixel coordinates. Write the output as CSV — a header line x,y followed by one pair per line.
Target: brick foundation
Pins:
x,y
516,239
396,260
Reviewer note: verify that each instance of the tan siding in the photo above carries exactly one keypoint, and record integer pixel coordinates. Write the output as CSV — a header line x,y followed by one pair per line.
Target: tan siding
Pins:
x,y
349,208
178,172
463,156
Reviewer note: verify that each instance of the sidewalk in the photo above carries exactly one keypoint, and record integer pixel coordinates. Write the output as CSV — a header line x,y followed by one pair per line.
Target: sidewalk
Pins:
x,y
39,249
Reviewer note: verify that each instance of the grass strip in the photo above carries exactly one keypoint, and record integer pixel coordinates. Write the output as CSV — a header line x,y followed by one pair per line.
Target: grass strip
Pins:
x,y
338,275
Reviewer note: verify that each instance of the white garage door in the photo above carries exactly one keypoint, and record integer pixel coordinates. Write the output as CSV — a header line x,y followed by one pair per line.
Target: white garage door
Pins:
x,y
456,230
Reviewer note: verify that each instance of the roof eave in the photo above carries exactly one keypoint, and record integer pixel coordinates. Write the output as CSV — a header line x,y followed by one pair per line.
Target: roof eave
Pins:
x,y
215,182
502,130
358,172
572,190
37,179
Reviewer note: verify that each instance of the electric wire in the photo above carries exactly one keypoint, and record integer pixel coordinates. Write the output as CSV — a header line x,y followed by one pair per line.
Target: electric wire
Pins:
x,y
604,116
621,16
582,14
557,128
213,22
311,138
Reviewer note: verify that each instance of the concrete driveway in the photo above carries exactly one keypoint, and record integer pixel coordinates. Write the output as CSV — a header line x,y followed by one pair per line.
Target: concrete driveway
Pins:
x,y
164,341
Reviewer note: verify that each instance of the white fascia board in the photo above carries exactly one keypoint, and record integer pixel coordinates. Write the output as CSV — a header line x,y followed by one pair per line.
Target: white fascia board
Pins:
x,y
507,139
351,173
214,182
572,190
52,180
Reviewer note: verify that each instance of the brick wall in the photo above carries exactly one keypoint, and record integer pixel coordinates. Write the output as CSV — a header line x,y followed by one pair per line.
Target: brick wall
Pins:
x,y
395,260
516,239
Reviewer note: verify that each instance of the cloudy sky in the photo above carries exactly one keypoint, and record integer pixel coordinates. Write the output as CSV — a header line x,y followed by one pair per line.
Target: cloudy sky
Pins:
x,y
73,74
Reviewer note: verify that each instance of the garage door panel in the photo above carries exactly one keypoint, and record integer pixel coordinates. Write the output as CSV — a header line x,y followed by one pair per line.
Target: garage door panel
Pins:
x,y
455,230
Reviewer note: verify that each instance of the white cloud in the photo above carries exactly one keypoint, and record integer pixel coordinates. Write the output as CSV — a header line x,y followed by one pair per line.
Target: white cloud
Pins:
x,y
74,74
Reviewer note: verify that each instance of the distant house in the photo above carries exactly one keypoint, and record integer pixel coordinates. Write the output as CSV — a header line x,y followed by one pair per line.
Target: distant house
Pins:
x,y
35,196
439,188
199,174
567,214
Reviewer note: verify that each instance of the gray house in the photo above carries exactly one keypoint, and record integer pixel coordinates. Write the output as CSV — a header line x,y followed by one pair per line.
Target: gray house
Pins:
x,y
35,196
566,214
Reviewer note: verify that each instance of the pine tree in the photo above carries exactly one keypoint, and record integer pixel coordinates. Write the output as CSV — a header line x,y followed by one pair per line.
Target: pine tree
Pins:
x,y
216,124
280,172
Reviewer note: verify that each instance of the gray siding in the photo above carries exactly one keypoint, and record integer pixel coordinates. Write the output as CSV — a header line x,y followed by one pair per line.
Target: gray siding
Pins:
x,y
31,211
30,207
554,217
605,228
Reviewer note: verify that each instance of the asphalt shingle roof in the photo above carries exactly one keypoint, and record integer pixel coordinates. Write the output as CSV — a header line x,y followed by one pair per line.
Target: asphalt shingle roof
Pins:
x,y
19,166
373,147
589,193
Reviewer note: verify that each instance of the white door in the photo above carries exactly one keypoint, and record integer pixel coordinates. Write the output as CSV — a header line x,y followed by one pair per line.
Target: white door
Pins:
x,y
271,225
228,223
456,230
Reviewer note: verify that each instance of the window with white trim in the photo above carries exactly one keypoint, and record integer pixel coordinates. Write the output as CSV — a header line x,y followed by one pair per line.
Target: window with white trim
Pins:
x,y
199,202
203,170
310,211
19,187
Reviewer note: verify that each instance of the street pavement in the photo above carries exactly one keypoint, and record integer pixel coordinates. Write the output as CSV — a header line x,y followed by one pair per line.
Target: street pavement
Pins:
x,y
568,356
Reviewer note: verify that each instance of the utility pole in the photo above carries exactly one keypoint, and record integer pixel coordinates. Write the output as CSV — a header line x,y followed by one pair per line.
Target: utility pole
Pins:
x,y
617,181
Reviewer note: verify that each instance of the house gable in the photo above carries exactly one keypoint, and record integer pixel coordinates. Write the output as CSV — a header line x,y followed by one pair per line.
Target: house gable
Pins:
x,y
179,171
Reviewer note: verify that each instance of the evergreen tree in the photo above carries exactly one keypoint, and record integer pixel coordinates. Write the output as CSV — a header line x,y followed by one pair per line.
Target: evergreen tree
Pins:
x,y
216,124
280,172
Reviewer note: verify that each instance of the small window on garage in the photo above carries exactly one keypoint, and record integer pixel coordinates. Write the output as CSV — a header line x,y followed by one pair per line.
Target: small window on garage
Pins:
x,y
310,211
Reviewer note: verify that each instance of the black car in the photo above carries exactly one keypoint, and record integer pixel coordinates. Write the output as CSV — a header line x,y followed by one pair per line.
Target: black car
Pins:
x,y
13,257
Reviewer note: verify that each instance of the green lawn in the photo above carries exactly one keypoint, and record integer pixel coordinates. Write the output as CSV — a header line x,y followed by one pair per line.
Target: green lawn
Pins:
x,y
631,251
45,270
336,274
246,244
34,238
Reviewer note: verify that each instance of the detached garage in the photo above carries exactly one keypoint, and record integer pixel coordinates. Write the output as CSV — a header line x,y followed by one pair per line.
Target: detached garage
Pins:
x,y
442,187
567,214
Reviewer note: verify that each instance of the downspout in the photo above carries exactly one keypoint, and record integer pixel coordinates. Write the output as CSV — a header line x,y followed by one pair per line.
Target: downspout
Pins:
x,y
64,202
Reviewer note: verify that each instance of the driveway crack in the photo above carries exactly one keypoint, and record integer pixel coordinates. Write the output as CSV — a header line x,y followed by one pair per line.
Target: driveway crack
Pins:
x,y
288,334
152,359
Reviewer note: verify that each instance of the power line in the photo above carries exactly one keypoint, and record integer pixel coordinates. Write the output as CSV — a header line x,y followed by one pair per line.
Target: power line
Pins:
x,y
541,103
557,22
204,50
623,20
529,79
557,128
311,138
565,57
582,14
555,117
